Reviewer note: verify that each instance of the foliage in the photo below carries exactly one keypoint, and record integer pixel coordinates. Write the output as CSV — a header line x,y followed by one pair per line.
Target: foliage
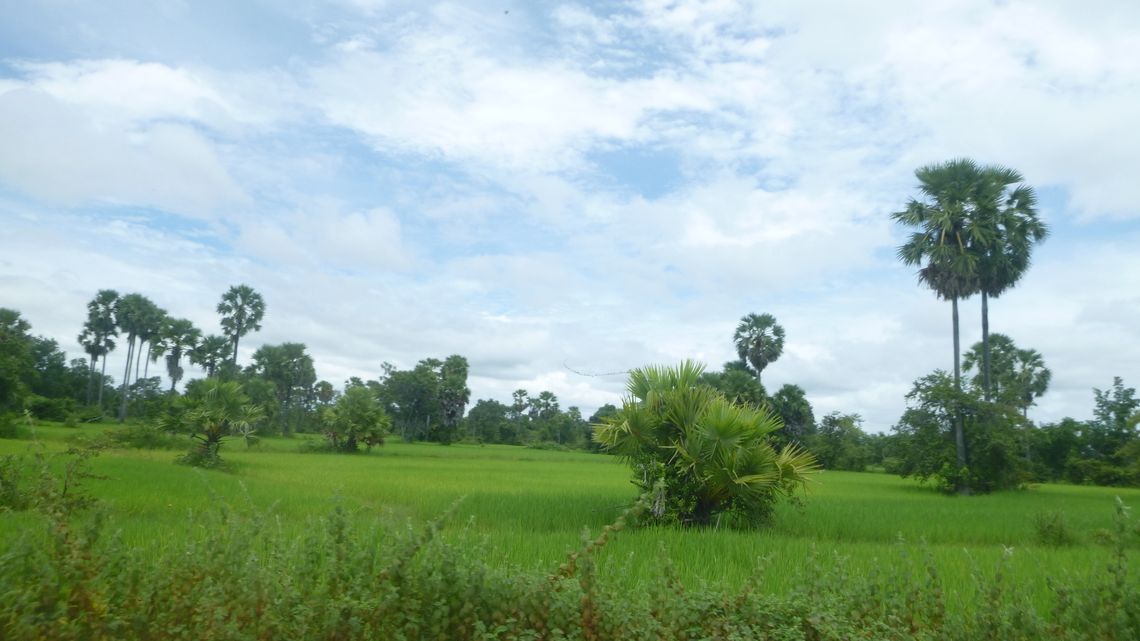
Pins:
x,y
241,309
1017,376
219,408
705,458
791,404
759,341
355,419
15,359
1051,528
926,445
291,372
737,385
841,444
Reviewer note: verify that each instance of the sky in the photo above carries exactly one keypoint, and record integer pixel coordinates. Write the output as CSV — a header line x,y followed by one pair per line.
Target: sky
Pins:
x,y
563,191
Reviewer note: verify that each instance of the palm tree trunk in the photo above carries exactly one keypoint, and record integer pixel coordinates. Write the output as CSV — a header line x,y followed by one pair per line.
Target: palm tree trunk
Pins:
x,y
959,432
146,366
126,379
90,379
985,346
102,380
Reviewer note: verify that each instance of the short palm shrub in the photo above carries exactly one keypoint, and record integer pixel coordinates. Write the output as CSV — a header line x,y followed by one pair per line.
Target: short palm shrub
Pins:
x,y
356,419
704,459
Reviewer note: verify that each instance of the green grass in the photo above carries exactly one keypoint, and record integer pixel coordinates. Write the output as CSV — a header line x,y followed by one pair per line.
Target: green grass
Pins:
x,y
527,508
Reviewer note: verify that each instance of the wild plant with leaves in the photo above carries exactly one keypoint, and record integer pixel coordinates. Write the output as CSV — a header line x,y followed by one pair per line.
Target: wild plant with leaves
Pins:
x,y
706,460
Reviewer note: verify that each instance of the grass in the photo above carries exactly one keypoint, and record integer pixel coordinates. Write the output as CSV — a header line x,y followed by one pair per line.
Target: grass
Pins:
x,y
527,508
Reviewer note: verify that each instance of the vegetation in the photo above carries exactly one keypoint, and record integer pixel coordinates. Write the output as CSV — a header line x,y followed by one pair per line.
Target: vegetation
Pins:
x,y
701,457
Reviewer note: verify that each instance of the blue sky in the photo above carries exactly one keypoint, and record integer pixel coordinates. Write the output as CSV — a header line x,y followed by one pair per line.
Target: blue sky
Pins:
x,y
556,188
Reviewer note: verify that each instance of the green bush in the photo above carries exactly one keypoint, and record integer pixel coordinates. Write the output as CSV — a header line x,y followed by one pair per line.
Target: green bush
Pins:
x,y
1050,528
50,409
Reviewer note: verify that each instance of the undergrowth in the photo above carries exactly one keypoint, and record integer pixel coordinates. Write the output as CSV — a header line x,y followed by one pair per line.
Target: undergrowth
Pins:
x,y
243,578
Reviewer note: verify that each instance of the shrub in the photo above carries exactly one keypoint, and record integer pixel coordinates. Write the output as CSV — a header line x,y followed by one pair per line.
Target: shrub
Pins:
x,y
704,458
50,409
1050,528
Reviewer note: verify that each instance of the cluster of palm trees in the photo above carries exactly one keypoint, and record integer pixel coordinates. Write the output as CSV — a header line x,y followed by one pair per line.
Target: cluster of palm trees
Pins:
x,y
139,321
975,228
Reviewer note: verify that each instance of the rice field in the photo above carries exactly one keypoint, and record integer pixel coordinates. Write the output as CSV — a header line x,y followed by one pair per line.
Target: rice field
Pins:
x,y
526,508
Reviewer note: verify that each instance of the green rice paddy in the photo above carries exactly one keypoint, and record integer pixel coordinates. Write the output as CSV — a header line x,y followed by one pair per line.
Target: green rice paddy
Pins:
x,y
527,509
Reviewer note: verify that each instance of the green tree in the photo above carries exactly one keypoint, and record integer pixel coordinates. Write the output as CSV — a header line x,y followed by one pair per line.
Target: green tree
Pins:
x,y
15,359
292,373
1114,418
210,353
178,338
411,398
355,418
841,444
242,309
942,246
1018,376
1009,209
793,408
487,422
759,341
453,397
134,315
926,440
707,460
216,409
737,385
101,331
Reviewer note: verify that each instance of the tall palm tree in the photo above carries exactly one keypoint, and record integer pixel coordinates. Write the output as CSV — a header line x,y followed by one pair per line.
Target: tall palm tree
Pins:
x,y
759,341
942,245
134,315
242,309
101,319
210,353
150,331
179,337
1009,208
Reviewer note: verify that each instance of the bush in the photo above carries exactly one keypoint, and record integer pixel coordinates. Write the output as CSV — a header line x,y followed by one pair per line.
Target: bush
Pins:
x,y
13,427
50,409
704,458
143,436
1050,528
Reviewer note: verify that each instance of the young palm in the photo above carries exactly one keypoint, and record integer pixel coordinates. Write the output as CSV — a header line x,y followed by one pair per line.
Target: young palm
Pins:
x,y
712,457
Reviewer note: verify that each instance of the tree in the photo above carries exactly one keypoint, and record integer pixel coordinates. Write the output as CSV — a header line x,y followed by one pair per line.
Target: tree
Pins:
x,y
210,353
791,404
1114,418
737,385
178,337
242,309
355,418
217,409
134,314
759,341
487,422
926,439
15,359
841,444
103,331
942,246
707,460
1018,376
411,398
453,397
291,371
1008,208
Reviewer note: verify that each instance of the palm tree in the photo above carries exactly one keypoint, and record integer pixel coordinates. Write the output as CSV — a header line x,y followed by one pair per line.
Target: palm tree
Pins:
x,y
1009,209
178,338
150,330
210,353
1032,377
222,409
101,321
947,231
242,309
134,314
704,455
759,341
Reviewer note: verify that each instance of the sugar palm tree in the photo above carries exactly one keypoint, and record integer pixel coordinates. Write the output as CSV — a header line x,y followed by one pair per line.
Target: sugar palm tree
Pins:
x,y
179,337
943,244
1008,207
222,409
133,314
709,457
101,323
759,341
210,353
242,309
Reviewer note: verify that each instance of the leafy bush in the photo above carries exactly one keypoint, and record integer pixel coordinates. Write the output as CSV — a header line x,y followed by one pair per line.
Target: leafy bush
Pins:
x,y
143,436
704,458
50,409
1050,528
12,427
356,419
